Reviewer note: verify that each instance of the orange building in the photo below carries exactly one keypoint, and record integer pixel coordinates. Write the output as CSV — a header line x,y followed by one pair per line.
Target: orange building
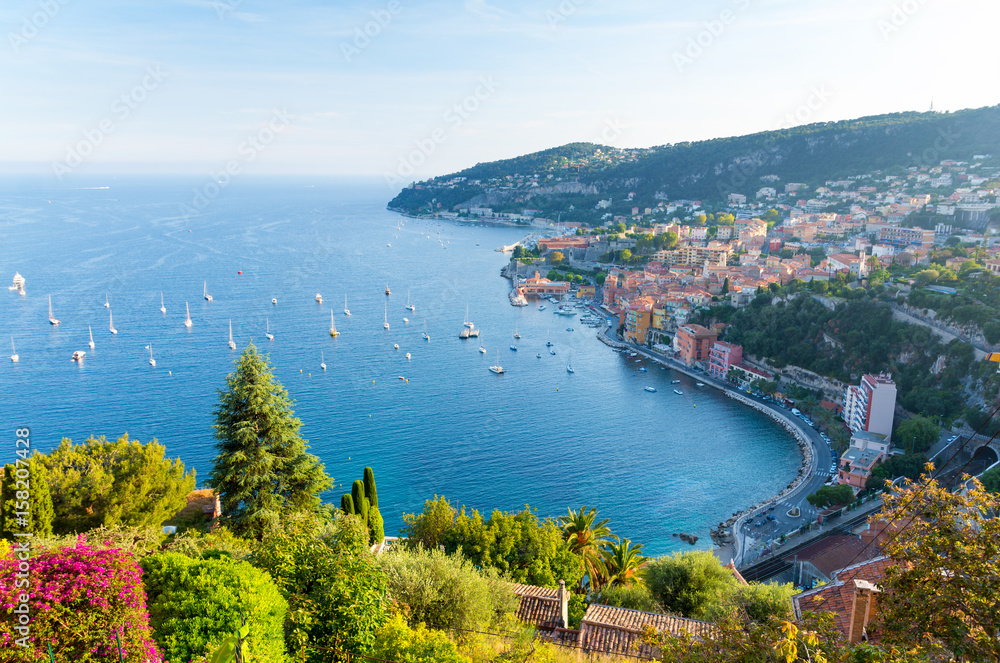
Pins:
x,y
694,343
541,286
638,318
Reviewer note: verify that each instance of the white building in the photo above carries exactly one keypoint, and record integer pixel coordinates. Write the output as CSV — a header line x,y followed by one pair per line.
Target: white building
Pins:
x,y
871,405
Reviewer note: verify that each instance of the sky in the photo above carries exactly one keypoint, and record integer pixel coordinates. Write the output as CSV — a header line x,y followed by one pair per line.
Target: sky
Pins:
x,y
409,89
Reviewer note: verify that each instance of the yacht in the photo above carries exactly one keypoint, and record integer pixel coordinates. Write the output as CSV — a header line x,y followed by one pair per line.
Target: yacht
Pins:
x,y
91,344
407,355
52,319
208,297
541,307
322,361
651,390
333,327
163,309
678,392
274,301
538,355
187,321
406,321
232,344
409,306
497,368
267,334
569,368
319,299
18,284
464,333
111,322
699,384
552,352
387,291
14,357
79,355
152,362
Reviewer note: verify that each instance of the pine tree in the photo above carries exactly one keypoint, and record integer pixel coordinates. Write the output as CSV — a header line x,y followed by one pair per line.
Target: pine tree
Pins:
x,y
38,505
262,469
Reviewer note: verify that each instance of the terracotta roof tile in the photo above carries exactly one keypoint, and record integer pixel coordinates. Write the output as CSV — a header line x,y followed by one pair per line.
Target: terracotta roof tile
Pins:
x,y
838,596
538,606
618,630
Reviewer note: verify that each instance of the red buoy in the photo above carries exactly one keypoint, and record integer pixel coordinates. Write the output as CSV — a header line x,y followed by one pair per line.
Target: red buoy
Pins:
x,y
240,272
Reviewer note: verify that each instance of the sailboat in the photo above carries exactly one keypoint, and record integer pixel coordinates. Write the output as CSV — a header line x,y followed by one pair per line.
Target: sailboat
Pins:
x,y
333,327
424,332
107,304
481,348
52,320
512,346
516,335
322,360
208,297
268,333
91,344
14,357
409,306
385,324
498,369
232,344
347,311
111,322
163,309
467,323
187,322
152,362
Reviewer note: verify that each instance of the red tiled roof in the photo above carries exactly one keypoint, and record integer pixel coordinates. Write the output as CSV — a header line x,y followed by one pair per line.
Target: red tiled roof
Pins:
x,y
838,596
614,630
833,552
538,606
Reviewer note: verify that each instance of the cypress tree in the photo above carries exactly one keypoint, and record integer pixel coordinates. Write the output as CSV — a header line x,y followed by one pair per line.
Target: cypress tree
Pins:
x,y
376,527
370,491
40,509
262,470
347,504
360,501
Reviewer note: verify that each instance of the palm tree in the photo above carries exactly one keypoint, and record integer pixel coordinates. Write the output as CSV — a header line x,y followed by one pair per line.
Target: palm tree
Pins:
x,y
587,539
623,562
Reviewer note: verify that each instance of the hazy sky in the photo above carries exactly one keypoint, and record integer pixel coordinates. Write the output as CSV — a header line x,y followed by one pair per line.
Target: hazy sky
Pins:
x,y
431,87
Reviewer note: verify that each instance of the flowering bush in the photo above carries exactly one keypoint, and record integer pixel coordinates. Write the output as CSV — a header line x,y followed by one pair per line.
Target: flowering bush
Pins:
x,y
78,599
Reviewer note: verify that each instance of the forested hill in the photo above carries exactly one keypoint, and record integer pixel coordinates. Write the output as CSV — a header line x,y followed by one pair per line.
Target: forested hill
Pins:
x,y
710,170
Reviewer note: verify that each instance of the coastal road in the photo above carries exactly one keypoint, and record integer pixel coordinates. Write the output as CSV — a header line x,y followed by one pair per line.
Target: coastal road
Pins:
x,y
755,532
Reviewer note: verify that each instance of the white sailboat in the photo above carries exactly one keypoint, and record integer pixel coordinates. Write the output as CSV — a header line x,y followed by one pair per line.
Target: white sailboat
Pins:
x,y
498,369
14,357
333,327
187,321
52,320
482,350
91,344
232,344
111,322
516,335
385,324
268,333
208,297
152,362
322,361
409,306
467,323
424,332
107,304
347,311
163,309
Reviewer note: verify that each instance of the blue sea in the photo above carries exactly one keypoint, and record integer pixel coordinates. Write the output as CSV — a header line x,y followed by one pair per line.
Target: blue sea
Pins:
x,y
437,424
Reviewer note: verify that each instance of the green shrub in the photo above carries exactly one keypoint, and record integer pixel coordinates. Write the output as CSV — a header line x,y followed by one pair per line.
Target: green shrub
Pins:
x,y
194,604
396,641
31,477
636,597
446,590
334,587
689,584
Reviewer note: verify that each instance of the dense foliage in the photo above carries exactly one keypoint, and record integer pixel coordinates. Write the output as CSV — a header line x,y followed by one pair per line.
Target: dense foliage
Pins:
x,y
831,496
195,603
262,470
362,502
335,589
396,641
123,482
79,598
446,591
35,486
